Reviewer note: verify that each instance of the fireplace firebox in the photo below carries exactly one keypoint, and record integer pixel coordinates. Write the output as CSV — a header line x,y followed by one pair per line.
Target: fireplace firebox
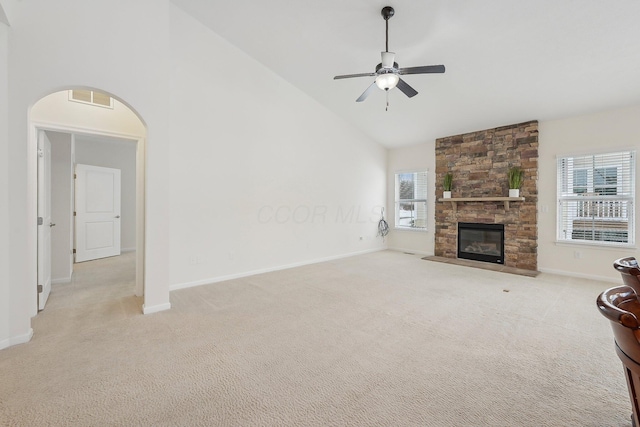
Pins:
x,y
481,242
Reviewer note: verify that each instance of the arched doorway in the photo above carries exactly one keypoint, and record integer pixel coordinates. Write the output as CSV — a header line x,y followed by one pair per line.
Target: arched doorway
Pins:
x,y
96,116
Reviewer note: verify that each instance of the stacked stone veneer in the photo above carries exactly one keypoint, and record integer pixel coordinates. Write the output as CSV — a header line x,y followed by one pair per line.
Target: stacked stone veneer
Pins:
x,y
480,162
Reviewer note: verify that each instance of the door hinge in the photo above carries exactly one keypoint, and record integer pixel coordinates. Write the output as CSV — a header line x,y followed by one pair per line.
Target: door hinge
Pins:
x,y
40,220
40,152
74,214
39,289
74,251
75,176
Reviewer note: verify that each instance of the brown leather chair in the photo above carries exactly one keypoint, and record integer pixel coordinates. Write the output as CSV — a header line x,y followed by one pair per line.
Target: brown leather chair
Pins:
x,y
630,272
621,306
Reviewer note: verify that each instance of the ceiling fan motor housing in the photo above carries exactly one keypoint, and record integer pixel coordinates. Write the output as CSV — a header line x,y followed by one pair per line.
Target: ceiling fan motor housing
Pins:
x,y
388,59
381,70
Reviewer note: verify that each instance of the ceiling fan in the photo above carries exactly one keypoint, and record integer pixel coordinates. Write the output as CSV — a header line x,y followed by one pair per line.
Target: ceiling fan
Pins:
x,y
388,73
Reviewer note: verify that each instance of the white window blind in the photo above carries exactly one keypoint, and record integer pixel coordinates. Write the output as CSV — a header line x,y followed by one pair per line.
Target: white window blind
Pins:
x,y
411,200
596,198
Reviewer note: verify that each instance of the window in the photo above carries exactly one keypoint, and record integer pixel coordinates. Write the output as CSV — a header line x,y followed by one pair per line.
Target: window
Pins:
x,y
596,198
91,97
411,200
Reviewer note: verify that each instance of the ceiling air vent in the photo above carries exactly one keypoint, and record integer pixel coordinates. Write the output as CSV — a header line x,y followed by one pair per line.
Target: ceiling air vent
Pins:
x,y
91,97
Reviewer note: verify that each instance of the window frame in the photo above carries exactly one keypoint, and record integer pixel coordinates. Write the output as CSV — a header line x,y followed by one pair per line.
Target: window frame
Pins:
x,y
398,201
605,212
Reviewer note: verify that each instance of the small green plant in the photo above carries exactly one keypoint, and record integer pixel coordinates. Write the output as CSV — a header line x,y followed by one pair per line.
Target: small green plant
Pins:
x,y
516,177
447,183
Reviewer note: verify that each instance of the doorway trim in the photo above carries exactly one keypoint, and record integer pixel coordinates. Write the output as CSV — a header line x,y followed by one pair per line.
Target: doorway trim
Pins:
x,y
32,189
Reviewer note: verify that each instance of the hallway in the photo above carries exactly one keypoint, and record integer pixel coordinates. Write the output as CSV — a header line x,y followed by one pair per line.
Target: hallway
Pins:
x,y
100,292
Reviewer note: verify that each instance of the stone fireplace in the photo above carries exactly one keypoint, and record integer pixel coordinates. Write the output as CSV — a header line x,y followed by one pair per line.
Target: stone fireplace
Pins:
x,y
479,162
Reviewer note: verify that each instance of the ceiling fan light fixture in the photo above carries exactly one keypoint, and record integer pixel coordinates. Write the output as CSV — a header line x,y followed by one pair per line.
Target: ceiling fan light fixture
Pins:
x,y
387,81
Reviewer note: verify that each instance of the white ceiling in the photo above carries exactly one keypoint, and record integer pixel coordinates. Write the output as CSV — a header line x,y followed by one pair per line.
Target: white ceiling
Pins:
x,y
507,61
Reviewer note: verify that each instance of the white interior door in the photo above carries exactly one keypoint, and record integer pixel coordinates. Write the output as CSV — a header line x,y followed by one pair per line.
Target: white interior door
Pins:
x,y
44,219
97,212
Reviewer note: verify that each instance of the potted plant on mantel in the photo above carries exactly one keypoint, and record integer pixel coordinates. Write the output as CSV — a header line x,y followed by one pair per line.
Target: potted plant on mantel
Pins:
x,y
447,184
516,176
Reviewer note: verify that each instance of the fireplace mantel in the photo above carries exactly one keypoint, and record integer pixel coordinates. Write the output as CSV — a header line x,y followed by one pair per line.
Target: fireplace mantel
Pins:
x,y
454,200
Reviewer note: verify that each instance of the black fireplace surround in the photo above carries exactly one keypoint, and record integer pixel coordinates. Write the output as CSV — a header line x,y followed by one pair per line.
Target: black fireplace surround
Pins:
x,y
481,242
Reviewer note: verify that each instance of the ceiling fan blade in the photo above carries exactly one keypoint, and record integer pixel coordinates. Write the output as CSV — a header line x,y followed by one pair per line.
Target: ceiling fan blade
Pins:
x,y
348,76
406,89
367,92
427,69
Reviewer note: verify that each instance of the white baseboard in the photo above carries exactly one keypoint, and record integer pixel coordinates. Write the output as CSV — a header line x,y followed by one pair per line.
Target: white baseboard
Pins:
x,y
155,308
123,250
20,339
62,280
267,270
581,275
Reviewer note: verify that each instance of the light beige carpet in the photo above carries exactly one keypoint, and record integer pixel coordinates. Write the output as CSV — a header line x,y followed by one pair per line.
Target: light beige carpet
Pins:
x,y
384,339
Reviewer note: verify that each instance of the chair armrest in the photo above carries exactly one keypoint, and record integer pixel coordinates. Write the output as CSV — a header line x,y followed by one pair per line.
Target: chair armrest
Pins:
x,y
627,265
609,301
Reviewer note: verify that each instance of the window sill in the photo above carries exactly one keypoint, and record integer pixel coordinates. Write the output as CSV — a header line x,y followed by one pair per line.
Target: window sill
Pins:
x,y
413,230
595,245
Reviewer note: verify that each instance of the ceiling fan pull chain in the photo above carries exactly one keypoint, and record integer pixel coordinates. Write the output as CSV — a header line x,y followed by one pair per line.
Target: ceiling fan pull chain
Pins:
x,y
387,107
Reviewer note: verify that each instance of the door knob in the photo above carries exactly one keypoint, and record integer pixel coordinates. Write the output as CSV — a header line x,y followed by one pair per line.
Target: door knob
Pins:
x,y
117,216
51,224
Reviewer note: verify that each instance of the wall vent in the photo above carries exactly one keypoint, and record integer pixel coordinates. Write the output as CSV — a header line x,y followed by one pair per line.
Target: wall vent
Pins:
x,y
91,97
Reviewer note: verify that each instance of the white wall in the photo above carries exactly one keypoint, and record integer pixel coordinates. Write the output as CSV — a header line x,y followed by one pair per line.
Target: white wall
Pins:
x,y
602,132
61,206
262,176
5,288
121,155
6,11
413,158
3,16
131,62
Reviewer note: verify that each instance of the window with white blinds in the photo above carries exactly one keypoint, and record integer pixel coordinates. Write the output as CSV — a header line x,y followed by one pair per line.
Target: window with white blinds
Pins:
x,y
596,198
411,200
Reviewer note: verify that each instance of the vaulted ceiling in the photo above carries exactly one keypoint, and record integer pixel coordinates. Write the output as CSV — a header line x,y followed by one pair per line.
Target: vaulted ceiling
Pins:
x,y
506,61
